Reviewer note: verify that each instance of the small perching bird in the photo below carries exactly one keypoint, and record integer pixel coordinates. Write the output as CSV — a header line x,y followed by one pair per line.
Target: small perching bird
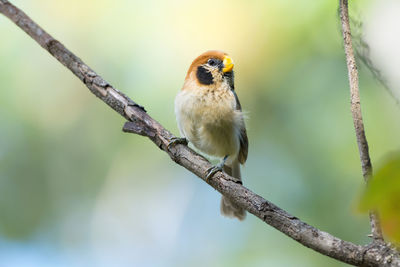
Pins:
x,y
210,117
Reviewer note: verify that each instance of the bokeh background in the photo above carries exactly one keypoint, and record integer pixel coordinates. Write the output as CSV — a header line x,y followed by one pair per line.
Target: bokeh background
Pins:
x,y
76,191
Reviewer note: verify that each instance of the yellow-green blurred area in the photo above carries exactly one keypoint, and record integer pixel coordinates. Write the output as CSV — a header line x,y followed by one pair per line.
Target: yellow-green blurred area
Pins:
x,y
77,191
383,195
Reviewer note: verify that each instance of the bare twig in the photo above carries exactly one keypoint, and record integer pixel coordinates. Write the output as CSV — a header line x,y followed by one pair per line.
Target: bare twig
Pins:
x,y
141,123
356,110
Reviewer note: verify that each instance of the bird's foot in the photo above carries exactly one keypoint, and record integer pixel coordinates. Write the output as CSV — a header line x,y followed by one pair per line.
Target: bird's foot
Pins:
x,y
217,168
213,170
177,140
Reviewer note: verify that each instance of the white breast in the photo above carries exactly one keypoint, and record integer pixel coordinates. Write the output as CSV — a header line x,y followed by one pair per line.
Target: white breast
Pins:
x,y
208,118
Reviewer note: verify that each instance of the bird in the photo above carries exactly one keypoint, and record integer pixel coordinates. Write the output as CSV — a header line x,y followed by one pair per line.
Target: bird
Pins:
x,y
210,117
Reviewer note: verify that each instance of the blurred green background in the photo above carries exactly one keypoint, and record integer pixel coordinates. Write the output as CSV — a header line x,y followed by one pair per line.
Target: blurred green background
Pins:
x,y
76,191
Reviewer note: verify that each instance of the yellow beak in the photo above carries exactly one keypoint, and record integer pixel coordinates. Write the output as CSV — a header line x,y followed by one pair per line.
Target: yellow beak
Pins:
x,y
228,64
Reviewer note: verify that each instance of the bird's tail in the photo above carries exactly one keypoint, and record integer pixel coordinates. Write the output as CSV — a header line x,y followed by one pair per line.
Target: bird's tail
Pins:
x,y
228,208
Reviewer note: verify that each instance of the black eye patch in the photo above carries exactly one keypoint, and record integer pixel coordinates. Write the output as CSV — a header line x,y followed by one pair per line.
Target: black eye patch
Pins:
x,y
204,76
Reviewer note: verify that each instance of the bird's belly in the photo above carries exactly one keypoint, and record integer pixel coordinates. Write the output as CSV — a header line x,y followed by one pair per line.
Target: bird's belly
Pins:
x,y
211,128
216,138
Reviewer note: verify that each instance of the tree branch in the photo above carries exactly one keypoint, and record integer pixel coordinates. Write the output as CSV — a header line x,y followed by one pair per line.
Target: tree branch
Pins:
x,y
356,110
376,254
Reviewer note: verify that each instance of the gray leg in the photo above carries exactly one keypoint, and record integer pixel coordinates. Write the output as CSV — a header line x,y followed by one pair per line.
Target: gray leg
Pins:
x,y
213,170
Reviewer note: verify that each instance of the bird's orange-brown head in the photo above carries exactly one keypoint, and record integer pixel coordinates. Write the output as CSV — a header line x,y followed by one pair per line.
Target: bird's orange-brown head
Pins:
x,y
211,67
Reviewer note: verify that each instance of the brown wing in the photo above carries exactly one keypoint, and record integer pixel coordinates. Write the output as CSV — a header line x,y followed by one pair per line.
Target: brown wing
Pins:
x,y
244,141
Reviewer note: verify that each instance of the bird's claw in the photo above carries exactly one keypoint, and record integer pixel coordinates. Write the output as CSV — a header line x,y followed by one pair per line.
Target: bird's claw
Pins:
x,y
213,170
177,140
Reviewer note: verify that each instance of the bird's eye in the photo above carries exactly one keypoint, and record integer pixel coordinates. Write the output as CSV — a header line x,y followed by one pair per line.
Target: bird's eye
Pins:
x,y
212,62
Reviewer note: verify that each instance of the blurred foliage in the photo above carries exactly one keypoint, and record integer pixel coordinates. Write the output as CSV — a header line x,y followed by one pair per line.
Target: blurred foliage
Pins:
x,y
76,191
383,195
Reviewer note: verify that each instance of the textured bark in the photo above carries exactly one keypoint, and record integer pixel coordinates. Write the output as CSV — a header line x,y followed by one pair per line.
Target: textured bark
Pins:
x,y
356,111
375,254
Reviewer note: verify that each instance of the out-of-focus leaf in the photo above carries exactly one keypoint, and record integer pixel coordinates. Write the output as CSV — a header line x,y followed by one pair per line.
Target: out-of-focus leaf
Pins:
x,y
383,195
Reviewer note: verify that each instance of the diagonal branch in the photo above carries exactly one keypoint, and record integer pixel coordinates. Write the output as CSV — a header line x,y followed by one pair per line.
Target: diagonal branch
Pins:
x,y
141,123
356,110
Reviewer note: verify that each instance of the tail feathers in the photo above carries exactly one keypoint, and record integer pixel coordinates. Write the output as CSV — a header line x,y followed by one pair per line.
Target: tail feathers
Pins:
x,y
228,208
231,210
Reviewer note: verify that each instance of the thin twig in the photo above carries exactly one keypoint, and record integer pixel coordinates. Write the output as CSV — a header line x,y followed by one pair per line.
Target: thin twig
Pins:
x,y
356,110
141,123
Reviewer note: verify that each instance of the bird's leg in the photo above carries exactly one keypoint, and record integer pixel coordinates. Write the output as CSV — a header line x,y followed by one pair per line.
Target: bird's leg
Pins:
x,y
219,167
177,140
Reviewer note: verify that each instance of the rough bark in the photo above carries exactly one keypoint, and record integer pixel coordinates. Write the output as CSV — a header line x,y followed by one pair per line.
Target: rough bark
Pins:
x,y
139,122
